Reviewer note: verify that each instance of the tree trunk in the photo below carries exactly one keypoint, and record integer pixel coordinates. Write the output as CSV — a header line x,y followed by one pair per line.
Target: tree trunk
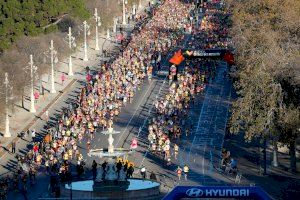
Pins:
x,y
293,156
40,85
23,100
13,107
265,157
275,154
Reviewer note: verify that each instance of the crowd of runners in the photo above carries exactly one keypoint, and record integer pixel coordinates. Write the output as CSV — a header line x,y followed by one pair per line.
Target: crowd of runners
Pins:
x,y
114,85
171,117
102,97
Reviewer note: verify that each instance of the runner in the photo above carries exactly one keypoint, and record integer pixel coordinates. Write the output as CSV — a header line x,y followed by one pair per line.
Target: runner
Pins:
x,y
176,149
143,172
149,72
179,172
47,115
186,171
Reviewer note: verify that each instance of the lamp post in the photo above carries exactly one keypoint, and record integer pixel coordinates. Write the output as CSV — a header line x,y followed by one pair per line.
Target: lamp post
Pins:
x,y
134,9
12,98
7,131
86,31
33,70
108,34
124,12
98,24
71,41
115,25
54,60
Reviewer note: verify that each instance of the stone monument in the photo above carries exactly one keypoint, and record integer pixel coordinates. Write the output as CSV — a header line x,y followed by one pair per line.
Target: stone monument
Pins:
x,y
108,178
110,184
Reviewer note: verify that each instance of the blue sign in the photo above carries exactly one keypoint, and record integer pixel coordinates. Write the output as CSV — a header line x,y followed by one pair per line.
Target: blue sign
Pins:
x,y
239,192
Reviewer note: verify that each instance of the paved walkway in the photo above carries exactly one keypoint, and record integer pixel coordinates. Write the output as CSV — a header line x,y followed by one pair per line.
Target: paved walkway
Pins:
x,y
22,119
8,161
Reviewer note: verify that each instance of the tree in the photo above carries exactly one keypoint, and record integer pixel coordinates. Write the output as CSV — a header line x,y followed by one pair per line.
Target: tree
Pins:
x,y
266,37
28,17
289,124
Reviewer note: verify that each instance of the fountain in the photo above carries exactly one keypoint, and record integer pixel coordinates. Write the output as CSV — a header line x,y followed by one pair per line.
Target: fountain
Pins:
x,y
109,183
110,179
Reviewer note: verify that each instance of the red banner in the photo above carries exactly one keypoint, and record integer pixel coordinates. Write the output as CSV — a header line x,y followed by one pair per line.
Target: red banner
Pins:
x,y
177,58
229,58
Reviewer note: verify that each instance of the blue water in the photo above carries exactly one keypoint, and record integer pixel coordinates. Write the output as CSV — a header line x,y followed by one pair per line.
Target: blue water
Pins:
x,y
135,184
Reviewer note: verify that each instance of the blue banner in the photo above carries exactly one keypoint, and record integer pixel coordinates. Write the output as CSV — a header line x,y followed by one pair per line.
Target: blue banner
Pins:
x,y
238,192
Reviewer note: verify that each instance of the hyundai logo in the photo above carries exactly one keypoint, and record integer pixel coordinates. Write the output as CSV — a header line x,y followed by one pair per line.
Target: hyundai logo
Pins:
x,y
194,192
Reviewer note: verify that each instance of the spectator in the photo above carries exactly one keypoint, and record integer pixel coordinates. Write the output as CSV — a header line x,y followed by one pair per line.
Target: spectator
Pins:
x,y
153,176
33,135
130,171
94,169
143,172
233,165
13,147
119,167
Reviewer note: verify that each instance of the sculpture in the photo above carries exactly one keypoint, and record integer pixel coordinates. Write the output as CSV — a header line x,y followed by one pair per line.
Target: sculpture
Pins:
x,y
109,173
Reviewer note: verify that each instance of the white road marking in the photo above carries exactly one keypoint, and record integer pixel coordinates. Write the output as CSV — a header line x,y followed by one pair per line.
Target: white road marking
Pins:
x,y
203,160
156,97
134,113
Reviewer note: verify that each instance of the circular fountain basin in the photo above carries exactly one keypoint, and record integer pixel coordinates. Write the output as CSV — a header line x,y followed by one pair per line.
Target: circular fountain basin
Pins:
x,y
118,152
137,188
114,154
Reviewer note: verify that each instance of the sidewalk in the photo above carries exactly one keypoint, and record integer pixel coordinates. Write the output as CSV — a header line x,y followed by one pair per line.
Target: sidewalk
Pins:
x,y
22,119
279,182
